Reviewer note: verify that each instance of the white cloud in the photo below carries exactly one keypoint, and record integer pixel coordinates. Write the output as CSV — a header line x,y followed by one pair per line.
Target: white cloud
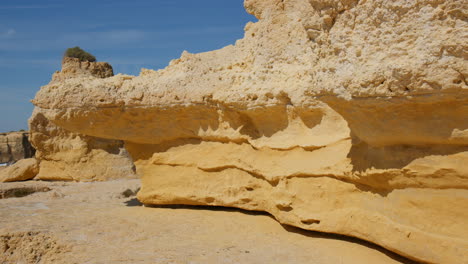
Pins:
x,y
34,41
27,6
7,33
10,32
105,38
11,63
124,35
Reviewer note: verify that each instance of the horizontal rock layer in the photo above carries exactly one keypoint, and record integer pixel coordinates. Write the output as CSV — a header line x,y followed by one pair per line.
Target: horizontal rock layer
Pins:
x,y
68,156
345,117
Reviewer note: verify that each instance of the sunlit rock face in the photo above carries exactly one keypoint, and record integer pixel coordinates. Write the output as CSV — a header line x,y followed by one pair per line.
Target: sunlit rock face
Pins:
x,y
24,169
345,117
69,156
15,146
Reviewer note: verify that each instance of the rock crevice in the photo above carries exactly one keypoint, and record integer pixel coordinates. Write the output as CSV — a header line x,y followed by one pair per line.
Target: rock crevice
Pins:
x,y
15,146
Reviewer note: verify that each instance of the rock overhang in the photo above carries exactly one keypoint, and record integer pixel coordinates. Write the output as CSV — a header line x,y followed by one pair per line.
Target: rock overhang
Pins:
x,y
346,117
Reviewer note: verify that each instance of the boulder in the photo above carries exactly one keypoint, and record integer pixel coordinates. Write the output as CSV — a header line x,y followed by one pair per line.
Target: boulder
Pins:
x,y
345,117
25,169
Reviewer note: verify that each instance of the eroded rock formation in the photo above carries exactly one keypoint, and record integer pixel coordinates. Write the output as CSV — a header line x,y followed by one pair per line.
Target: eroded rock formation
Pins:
x,y
25,169
69,156
15,146
345,117
73,67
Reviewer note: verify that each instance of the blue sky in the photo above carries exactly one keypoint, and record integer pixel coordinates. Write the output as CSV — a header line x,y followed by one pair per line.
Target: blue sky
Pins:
x,y
128,34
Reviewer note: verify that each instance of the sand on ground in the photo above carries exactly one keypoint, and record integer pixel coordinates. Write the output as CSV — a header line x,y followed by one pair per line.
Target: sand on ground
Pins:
x,y
65,222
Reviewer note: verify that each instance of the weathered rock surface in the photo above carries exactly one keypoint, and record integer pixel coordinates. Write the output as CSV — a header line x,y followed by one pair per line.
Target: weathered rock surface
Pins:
x,y
25,169
15,146
345,117
73,67
68,156
77,223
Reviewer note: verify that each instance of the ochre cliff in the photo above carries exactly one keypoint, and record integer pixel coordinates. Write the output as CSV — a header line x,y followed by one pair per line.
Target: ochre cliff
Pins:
x,y
346,117
69,156
15,146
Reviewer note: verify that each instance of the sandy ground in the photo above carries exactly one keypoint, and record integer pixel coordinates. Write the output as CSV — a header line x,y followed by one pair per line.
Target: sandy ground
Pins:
x,y
97,223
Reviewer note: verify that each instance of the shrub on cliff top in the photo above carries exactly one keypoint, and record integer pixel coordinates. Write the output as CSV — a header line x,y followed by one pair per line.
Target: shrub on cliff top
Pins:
x,y
77,52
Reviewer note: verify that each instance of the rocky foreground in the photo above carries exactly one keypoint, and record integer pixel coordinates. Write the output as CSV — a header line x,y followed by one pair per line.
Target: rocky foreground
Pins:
x,y
344,117
102,222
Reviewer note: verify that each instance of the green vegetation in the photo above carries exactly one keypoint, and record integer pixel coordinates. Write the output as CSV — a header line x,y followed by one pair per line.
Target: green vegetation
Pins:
x,y
77,52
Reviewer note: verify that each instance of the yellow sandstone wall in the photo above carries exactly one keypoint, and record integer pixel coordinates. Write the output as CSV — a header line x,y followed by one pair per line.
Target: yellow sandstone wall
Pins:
x,y
346,117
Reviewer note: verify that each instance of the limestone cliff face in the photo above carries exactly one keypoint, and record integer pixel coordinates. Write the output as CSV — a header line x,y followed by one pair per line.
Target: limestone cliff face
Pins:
x,y
346,117
15,146
69,156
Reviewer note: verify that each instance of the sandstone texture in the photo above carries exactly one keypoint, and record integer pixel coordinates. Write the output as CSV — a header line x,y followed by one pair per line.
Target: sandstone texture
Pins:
x,y
73,67
75,223
68,156
15,146
25,169
338,116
